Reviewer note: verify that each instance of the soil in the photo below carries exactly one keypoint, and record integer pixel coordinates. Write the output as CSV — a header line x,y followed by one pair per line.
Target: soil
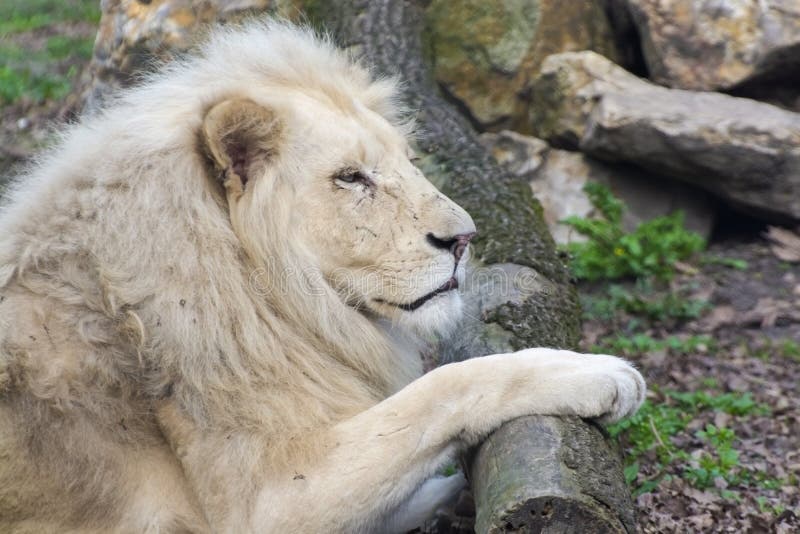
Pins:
x,y
754,321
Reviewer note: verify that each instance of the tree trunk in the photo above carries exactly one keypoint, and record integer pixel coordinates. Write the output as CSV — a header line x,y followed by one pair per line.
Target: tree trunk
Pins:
x,y
535,474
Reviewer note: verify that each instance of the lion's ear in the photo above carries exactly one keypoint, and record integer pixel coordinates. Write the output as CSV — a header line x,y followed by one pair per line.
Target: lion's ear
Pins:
x,y
241,137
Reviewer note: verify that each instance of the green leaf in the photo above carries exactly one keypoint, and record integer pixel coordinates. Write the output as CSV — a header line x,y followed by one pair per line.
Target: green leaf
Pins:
x,y
631,473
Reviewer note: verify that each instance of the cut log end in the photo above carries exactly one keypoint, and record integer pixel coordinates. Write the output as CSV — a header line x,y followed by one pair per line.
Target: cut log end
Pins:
x,y
566,477
552,514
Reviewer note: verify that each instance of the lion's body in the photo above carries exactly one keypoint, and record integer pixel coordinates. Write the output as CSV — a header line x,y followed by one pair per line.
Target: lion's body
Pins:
x,y
175,352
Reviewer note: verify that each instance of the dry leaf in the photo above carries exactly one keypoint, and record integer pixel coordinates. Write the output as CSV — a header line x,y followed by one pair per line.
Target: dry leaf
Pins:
x,y
685,268
719,316
785,243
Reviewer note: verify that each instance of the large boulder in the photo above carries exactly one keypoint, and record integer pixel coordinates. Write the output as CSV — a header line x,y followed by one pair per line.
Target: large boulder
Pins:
x,y
136,35
717,44
557,178
485,53
744,151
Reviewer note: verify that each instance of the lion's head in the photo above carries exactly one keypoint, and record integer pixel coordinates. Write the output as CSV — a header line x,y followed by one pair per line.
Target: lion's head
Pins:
x,y
352,203
237,235
245,212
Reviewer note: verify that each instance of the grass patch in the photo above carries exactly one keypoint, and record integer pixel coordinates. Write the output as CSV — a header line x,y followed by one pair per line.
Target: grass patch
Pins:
x,y
16,84
652,433
637,344
719,461
767,348
41,68
789,348
18,16
63,47
643,301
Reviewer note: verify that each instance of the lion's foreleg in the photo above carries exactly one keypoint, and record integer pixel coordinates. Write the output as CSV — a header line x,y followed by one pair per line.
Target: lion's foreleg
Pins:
x,y
382,456
373,470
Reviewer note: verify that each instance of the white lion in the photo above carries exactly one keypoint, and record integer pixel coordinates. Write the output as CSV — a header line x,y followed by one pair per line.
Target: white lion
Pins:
x,y
210,296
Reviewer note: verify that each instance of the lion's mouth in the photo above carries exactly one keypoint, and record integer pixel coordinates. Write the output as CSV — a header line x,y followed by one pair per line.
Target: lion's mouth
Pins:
x,y
451,284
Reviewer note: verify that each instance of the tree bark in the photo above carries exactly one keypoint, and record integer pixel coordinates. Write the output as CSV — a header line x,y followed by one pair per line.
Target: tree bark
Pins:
x,y
535,474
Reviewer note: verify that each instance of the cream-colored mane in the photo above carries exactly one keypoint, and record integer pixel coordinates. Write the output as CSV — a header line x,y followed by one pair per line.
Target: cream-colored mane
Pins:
x,y
121,224
120,245
208,290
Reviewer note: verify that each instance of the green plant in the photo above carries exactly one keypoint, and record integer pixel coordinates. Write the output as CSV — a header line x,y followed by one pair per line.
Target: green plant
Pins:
x,y
652,431
730,403
719,460
733,263
631,345
766,507
643,301
790,348
609,252
767,348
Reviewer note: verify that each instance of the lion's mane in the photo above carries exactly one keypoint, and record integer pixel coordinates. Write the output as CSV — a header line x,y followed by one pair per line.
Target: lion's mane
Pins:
x,y
124,278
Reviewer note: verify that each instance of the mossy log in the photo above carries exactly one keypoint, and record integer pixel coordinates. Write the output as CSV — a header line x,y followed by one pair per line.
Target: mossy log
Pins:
x,y
535,474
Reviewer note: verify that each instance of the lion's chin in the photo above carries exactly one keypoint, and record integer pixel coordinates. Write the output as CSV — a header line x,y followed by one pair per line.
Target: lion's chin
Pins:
x,y
438,316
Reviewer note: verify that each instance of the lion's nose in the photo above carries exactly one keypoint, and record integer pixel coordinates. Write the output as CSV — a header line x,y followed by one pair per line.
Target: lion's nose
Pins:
x,y
455,244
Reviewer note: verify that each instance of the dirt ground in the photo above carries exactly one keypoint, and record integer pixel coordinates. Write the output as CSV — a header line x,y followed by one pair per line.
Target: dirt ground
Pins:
x,y
753,327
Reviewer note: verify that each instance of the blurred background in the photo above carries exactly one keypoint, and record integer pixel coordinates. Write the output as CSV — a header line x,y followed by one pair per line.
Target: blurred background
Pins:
x,y
662,138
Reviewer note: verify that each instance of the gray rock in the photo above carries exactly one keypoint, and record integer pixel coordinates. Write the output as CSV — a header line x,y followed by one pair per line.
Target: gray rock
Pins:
x,y
714,44
746,152
134,37
484,52
522,154
557,178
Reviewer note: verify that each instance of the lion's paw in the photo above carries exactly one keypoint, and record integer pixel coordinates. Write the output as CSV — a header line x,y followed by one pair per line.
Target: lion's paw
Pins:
x,y
593,386
628,386
621,389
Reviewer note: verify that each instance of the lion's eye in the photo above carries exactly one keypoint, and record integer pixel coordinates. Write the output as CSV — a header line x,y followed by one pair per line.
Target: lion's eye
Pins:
x,y
351,176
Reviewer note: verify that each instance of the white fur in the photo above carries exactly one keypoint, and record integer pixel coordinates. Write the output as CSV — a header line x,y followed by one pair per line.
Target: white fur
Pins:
x,y
184,347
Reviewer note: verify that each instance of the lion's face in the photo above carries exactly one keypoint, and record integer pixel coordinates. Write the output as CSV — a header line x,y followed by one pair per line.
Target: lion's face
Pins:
x,y
379,232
